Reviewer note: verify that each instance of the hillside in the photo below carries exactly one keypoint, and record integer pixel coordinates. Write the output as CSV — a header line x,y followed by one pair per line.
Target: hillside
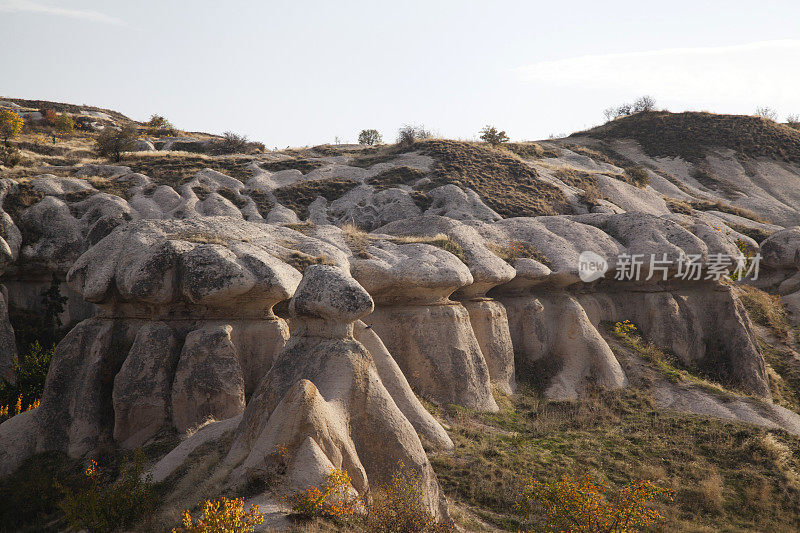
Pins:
x,y
243,321
689,135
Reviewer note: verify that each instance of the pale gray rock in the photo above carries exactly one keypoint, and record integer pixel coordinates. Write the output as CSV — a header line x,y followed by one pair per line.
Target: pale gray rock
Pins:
x,y
141,394
208,379
323,401
461,204
142,145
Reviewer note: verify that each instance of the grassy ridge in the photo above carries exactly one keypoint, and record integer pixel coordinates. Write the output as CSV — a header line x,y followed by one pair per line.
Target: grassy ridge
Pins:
x,y
689,134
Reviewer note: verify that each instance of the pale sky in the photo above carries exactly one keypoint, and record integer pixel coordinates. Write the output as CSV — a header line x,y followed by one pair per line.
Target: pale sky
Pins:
x,y
304,72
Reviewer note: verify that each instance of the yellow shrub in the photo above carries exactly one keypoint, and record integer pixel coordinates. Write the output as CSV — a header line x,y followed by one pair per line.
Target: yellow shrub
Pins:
x,y
398,506
223,516
333,500
10,124
625,328
581,505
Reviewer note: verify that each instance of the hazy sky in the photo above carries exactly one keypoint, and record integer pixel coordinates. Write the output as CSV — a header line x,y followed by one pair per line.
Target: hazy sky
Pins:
x,y
303,72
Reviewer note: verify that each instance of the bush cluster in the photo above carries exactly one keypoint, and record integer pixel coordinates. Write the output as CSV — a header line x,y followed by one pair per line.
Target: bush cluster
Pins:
x,y
644,103
588,506
113,142
102,507
409,134
370,137
398,506
10,124
491,135
335,499
225,515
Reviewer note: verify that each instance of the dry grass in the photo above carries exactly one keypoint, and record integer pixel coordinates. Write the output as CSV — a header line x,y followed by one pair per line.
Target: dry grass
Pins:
x,y
621,436
402,176
357,240
303,165
585,181
504,182
396,176
440,240
706,205
688,135
529,150
301,260
517,250
764,309
300,195
177,168
678,206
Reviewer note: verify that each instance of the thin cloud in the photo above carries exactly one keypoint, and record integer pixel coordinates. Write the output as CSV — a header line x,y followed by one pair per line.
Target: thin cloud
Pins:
x,y
26,6
762,72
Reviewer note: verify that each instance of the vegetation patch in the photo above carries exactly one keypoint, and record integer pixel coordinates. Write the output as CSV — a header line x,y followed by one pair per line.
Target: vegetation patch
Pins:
x,y
504,182
298,196
620,437
262,200
585,181
111,186
24,197
396,176
373,156
29,498
637,176
301,260
757,234
518,250
688,135
706,205
177,169
678,206
666,363
440,240
531,150
303,165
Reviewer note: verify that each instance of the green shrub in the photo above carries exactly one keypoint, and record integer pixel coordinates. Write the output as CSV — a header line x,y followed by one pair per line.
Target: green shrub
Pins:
x,y
370,137
64,124
490,135
113,143
100,507
31,374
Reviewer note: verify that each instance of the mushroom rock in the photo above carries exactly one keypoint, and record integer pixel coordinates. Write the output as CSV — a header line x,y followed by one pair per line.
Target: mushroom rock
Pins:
x,y
429,335
324,403
552,336
195,273
487,316
186,331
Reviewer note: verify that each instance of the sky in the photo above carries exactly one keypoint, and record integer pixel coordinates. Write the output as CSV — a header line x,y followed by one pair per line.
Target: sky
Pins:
x,y
299,73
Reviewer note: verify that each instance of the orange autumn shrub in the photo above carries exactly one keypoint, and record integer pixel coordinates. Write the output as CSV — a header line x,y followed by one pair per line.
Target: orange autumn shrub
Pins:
x,y
333,500
225,515
582,505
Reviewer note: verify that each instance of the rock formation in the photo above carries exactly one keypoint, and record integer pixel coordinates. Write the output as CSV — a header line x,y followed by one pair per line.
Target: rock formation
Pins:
x,y
324,402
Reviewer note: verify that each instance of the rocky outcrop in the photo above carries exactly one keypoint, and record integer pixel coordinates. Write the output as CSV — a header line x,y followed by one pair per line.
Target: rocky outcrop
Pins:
x,y
324,402
429,335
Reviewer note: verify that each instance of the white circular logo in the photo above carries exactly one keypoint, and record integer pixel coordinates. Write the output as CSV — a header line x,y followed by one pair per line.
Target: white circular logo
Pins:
x,y
591,266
